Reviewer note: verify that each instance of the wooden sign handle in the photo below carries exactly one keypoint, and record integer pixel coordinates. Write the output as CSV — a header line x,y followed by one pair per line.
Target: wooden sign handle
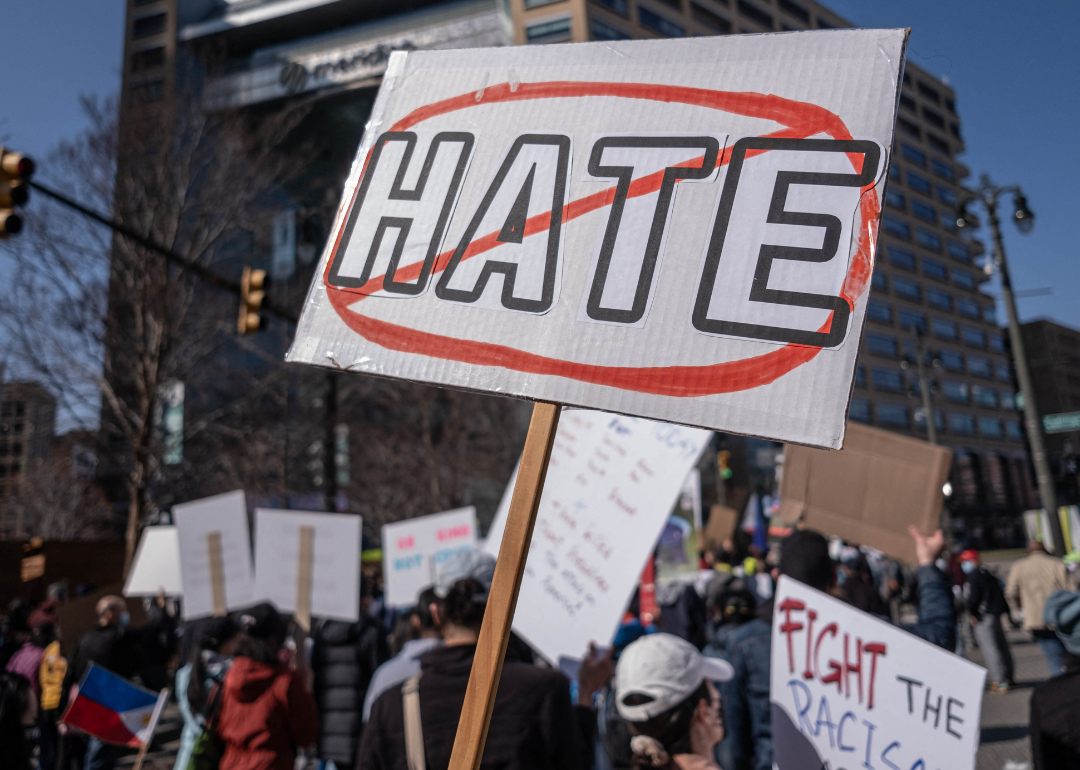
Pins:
x,y
217,573
303,579
502,599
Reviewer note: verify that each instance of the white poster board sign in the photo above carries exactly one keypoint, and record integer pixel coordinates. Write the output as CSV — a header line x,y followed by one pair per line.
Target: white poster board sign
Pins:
x,y
414,548
156,566
682,230
611,484
196,522
850,690
335,561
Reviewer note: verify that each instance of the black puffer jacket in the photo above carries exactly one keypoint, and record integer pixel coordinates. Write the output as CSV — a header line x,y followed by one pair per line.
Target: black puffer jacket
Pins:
x,y
344,658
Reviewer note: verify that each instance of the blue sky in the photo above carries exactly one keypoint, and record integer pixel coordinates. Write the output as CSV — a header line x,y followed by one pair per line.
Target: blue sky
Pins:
x,y
1015,66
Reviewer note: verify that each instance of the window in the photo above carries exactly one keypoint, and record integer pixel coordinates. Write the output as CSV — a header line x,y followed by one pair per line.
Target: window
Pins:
x,y
997,343
794,9
906,288
895,226
939,298
902,258
881,344
990,427
930,92
950,105
938,143
908,127
984,396
148,25
1008,400
658,23
150,59
963,279
968,307
909,319
1002,371
859,410
676,4
1014,430
979,366
860,378
710,19
934,269
919,183
943,169
958,251
973,336
879,281
934,117
927,239
888,379
907,102
920,419
895,199
602,31
956,392
153,91
824,24
951,360
922,211
892,414
946,330
913,154
962,424
894,172
755,14
879,311
619,6
990,315
946,196
548,31
18,428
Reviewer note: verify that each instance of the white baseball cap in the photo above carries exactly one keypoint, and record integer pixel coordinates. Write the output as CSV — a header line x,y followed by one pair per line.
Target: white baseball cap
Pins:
x,y
466,563
667,670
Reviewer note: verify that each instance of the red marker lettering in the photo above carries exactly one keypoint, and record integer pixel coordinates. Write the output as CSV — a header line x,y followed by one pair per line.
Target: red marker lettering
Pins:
x,y
789,627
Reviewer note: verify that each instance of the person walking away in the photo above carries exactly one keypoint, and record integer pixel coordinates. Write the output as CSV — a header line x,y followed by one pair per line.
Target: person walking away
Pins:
x,y
665,692
1055,704
407,662
51,681
533,724
267,711
344,658
18,710
1031,581
986,604
196,680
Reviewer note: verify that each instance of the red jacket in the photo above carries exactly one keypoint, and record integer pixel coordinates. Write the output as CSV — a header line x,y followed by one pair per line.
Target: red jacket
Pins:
x,y
266,714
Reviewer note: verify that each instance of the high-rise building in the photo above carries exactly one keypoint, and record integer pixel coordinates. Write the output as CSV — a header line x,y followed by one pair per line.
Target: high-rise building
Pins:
x,y
330,55
27,424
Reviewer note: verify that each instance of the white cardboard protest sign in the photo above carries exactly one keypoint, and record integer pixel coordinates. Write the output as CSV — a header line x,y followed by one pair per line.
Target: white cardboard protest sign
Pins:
x,y
414,548
335,561
156,566
682,230
198,524
611,484
850,690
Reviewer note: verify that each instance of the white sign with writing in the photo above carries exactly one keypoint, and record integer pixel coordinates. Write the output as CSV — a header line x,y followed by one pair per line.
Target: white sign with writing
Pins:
x,y
850,690
226,516
413,550
335,561
611,484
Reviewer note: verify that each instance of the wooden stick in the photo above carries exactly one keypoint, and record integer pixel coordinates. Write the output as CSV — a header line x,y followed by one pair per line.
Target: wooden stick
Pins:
x,y
217,573
303,578
502,600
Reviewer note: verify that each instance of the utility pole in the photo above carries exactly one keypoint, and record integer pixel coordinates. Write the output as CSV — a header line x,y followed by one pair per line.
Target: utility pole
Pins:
x,y
924,385
987,195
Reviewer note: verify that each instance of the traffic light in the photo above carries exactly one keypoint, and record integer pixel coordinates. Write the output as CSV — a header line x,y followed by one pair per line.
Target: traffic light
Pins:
x,y
15,171
723,459
253,285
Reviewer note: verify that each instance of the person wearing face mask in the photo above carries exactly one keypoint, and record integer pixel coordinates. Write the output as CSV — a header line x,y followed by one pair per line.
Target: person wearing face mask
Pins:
x,y
986,603
120,649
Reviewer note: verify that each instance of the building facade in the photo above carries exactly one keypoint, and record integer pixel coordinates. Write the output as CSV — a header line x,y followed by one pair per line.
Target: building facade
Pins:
x,y
27,426
330,56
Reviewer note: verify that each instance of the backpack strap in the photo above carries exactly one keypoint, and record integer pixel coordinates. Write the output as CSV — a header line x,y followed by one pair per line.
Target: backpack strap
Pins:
x,y
414,730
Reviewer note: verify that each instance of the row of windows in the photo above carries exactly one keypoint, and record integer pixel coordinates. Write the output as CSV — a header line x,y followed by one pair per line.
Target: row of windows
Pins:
x,y
927,239
6,470
13,409
913,291
935,141
882,312
959,423
924,211
977,366
922,185
897,381
699,11
11,449
9,427
930,115
931,268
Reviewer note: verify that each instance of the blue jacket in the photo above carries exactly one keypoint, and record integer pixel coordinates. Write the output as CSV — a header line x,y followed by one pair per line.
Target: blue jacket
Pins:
x,y
747,744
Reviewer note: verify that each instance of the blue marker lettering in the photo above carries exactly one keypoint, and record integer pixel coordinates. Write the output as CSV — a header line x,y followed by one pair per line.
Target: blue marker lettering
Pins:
x,y
797,686
824,707
840,732
869,741
886,760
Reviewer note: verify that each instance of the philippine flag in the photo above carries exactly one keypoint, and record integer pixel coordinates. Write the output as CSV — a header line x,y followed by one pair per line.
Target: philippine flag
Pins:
x,y
115,710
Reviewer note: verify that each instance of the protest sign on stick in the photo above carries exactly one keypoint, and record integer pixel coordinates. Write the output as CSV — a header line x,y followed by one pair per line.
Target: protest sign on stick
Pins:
x,y
681,230
414,548
156,566
850,690
308,563
215,554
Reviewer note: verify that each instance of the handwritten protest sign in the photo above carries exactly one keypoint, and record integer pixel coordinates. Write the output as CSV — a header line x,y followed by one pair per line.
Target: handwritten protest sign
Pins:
x,y
612,482
215,554
850,690
333,580
414,548
156,566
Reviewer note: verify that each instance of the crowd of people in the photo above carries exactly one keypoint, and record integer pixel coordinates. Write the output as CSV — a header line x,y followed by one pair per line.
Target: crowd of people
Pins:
x,y
683,686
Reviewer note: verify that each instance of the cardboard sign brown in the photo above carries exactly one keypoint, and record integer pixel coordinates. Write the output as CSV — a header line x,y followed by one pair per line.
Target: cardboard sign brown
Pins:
x,y
870,491
720,527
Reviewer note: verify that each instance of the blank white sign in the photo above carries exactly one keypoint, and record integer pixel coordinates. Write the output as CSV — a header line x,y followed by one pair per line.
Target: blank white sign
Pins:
x,y
227,515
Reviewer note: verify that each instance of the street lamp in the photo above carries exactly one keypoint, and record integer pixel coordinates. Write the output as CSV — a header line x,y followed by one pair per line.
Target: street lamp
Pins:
x,y
986,195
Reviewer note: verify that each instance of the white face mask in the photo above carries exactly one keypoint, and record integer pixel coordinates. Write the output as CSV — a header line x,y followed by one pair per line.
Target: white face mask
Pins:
x,y
968,567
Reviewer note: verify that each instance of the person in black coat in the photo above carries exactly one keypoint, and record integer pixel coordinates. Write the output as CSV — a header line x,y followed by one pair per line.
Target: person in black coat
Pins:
x,y
986,603
1055,704
343,660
